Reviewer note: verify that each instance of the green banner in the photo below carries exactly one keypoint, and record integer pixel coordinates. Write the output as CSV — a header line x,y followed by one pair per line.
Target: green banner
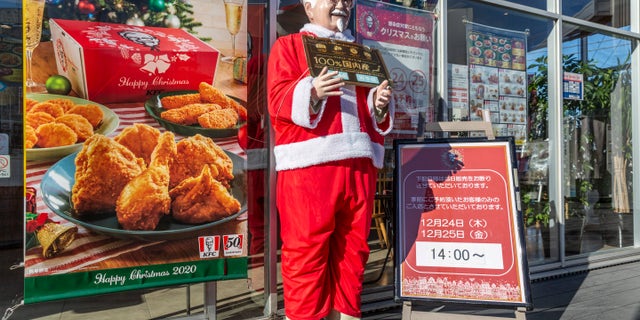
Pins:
x,y
71,285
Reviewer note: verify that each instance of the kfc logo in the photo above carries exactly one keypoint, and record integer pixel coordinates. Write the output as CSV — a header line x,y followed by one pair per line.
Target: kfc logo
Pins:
x,y
209,247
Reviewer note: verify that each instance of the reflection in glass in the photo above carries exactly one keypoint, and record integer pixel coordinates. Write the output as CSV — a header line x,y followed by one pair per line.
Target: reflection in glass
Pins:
x,y
615,13
541,230
597,143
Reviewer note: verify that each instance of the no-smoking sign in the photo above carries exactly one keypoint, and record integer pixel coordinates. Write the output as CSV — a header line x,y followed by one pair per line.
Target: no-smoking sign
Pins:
x,y
5,166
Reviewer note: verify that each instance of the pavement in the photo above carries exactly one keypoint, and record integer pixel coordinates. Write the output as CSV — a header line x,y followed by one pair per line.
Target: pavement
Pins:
x,y
607,293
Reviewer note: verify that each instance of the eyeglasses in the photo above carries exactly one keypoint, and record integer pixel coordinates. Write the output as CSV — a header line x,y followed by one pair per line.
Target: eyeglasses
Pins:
x,y
347,3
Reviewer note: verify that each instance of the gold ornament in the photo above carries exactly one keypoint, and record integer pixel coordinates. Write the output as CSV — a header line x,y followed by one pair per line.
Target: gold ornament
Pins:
x,y
54,238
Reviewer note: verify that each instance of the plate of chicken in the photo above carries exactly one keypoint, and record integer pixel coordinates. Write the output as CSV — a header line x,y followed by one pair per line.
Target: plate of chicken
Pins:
x,y
206,111
57,125
143,184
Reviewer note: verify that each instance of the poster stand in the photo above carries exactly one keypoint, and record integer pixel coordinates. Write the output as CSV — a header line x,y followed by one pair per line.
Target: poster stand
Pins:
x,y
407,308
408,313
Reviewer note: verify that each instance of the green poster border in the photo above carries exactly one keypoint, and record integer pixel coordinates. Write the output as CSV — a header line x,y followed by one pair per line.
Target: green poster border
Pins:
x,y
80,284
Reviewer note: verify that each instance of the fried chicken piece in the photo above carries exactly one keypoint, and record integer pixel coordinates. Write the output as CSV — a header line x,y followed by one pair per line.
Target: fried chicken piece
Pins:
x,y
211,94
196,152
66,104
79,124
141,139
240,109
30,137
91,112
48,107
202,199
55,135
29,103
103,168
36,119
180,100
188,114
219,119
145,199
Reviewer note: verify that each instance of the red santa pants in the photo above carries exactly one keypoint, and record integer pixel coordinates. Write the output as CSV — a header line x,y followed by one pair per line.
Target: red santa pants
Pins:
x,y
325,215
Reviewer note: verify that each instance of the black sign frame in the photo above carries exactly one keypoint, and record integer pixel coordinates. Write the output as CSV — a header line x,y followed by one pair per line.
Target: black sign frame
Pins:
x,y
400,223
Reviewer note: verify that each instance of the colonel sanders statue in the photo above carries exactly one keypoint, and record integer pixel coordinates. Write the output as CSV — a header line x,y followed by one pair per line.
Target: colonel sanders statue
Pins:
x,y
329,144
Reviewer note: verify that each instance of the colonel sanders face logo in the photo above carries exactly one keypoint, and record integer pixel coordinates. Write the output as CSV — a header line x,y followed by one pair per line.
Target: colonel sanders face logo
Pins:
x,y
142,38
368,23
208,242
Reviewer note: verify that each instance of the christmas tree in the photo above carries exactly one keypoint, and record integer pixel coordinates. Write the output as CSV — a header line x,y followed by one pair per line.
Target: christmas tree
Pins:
x,y
152,13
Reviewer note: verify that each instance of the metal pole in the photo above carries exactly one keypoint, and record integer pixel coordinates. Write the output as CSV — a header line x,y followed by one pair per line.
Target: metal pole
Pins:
x,y
188,299
210,296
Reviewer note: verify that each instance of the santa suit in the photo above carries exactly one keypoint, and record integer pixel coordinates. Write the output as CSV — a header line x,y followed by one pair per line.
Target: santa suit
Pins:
x,y
327,168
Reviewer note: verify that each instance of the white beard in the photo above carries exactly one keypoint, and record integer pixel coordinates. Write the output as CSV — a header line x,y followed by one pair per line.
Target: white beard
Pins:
x,y
341,24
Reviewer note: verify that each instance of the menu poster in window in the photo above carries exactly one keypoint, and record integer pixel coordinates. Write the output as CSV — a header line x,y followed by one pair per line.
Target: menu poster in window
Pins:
x,y
404,37
459,228
458,92
497,72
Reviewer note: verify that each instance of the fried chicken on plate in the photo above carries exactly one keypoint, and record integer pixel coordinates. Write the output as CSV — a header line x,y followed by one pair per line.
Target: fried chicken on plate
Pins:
x,y
140,138
196,152
145,199
79,124
188,114
202,199
219,119
177,101
91,112
55,135
103,168
30,137
36,119
211,94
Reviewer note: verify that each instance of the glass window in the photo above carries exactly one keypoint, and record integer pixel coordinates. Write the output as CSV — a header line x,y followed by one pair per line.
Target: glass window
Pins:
x,y
538,4
615,13
596,141
11,144
514,91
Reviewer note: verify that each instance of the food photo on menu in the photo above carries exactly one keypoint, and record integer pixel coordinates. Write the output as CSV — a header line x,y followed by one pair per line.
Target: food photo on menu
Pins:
x,y
146,153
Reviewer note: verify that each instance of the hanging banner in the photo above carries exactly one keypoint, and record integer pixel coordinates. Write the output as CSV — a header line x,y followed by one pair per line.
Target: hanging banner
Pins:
x,y
404,37
141,197
459,236
498,78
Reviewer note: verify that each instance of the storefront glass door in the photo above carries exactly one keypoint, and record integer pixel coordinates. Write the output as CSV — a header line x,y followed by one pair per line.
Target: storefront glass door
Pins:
x,y
596,142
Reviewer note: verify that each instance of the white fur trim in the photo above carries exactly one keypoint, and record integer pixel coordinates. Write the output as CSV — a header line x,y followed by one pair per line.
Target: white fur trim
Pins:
x,y
349,110
300,113
323,32
329,148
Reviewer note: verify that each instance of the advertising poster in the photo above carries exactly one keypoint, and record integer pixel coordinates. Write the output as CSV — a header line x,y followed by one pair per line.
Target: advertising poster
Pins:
x,y
459,229
404,37
458,92
144,192
498,79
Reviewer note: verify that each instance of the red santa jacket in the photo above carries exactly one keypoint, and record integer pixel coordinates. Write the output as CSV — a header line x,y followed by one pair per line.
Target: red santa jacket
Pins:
x,y
345,126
